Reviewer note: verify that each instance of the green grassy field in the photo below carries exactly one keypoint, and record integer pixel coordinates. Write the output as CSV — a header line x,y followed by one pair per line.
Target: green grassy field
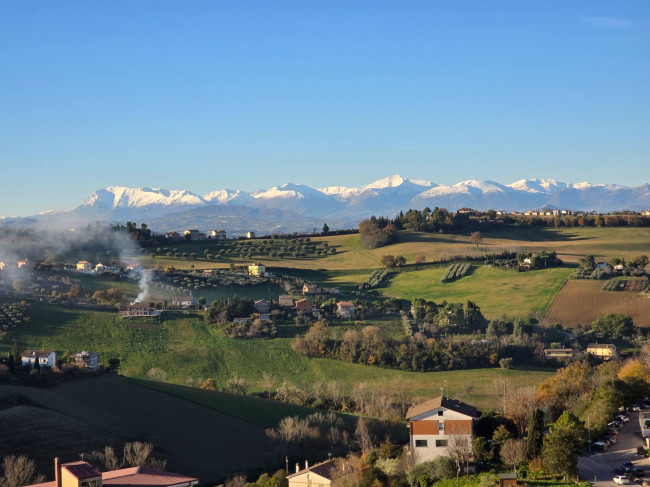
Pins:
x,y
498,292
184,350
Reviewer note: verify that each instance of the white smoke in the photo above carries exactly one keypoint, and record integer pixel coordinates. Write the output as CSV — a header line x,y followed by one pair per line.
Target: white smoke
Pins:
x,y
144,278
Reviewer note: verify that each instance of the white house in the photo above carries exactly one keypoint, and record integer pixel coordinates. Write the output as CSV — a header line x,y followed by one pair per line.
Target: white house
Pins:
x,y
436,423
139,309
45,358
345,309
86,359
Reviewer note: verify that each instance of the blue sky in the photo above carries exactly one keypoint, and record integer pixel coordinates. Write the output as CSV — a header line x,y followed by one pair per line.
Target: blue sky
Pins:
x,y
205,95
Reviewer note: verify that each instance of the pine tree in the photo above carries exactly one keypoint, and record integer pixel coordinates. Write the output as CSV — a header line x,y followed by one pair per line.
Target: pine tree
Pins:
x,y
563,444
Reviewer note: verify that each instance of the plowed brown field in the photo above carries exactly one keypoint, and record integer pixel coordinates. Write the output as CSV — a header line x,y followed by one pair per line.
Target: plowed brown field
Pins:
x,y
582,301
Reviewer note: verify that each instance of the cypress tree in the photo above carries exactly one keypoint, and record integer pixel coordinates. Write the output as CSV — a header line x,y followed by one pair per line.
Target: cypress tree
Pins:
x,y
535,433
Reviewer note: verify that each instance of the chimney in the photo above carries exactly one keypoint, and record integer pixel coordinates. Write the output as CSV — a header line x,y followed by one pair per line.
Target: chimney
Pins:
x,y
297,468
306,464
57,472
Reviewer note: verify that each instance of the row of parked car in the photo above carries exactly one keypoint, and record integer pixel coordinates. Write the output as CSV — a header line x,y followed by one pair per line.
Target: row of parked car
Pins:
x,y
611,434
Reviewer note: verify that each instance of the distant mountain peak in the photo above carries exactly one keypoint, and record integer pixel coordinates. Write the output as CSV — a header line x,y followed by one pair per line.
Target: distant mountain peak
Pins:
x,y
394,181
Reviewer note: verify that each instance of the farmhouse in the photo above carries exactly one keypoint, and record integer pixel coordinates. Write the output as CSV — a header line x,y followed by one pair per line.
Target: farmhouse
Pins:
x,y
138,309
603,350
184,303
558,353
256,270
345,309
285,300
83,474
89,360
45,358
645,213
84,266
437,422
262,306
304,306
250,234
319,475
309,288
173,236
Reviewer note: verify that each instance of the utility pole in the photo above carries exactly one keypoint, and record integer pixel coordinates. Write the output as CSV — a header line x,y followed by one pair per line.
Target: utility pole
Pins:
x,y
589,432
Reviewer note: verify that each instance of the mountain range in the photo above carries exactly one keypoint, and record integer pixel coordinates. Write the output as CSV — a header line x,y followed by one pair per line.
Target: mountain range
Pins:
x,y
296,207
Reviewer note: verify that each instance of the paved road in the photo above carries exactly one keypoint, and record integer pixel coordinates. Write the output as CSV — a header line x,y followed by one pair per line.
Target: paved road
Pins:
x,y
600,468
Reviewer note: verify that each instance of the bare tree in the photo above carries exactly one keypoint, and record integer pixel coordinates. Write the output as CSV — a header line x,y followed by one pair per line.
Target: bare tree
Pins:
x,y
520,405
18,471
269,381
362,436
107,458
236,481
138,454
460,449
468,388
513,452
476,238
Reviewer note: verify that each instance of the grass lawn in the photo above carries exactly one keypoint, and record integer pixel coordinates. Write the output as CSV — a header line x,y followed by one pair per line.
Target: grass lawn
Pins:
x,y
497,291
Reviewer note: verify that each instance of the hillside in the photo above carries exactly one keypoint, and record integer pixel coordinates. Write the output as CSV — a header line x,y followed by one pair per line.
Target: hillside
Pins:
x,y
198,440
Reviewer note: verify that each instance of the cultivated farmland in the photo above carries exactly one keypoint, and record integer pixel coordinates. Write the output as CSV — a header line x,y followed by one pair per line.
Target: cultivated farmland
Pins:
x,y
580,302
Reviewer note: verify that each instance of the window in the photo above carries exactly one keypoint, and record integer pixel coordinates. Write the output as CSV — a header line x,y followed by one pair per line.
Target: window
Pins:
x,y
441,426
419,443
439,413
441,442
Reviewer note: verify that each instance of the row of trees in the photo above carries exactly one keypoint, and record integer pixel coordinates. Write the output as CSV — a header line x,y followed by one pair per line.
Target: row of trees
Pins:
x,y
371,346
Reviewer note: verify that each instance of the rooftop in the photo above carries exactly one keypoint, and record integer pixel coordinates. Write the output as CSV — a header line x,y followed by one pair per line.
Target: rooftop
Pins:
x,y
444,402
324,469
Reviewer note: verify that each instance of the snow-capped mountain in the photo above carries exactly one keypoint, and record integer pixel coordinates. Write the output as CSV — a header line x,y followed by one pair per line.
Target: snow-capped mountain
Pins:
x,y
301,206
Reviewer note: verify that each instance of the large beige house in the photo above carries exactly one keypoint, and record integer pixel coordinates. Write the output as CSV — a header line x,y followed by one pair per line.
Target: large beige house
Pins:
x,y
84,266
319,475
437,422
602,350
285,300
83,474
256,270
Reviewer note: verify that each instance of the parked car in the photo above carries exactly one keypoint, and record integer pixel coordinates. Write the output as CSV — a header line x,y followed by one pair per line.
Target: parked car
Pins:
x,y
599,446
636,407
621,479
627,467
611,439
615,424
624,419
